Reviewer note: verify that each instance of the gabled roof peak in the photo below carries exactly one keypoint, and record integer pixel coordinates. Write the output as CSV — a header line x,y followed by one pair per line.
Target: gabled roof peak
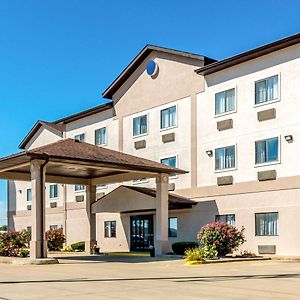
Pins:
x,y
126,73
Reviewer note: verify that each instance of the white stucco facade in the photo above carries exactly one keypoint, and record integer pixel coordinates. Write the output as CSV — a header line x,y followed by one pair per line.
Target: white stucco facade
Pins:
x,y
194,133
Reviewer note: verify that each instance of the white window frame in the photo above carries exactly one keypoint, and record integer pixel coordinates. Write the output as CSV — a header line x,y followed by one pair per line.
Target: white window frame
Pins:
x,y
28,201
276,162
105,144
235,102
138,116
83,133
225,215
176,119
235,158
169,156
255,224
278,99
79,191
53,198
110,235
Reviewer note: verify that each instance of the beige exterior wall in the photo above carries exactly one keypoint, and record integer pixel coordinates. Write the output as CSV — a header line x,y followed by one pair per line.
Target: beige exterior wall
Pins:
x,y
155,148
246,128
195,133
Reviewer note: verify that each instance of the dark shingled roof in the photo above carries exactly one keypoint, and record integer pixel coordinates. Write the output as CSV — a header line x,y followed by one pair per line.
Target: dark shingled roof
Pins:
x,y
174,199
126,73
252,54
70,149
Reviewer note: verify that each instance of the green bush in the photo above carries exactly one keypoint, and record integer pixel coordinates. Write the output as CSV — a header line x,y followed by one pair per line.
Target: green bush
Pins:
x,y
14,243
79,246
195,254
55,239
179,248
226,238
209,252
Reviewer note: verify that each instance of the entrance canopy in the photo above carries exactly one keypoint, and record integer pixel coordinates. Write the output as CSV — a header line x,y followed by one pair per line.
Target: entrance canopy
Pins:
x,y
129,199
73,162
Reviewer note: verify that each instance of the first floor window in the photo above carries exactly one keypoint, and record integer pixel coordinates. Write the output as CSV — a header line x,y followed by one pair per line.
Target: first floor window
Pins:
x,y
172,227
169,161
100,136
266,150
229,219
53,191
110,229
28,195
80,137
266,224
53,227
225,158
266,89
168,117
79,188
140,125
225,102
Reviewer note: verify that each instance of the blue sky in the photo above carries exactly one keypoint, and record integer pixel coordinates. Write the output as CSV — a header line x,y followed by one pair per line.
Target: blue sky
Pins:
x,y
56,57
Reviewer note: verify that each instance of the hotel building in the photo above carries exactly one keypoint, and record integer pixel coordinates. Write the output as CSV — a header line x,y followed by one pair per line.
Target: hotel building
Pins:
x,y
232,124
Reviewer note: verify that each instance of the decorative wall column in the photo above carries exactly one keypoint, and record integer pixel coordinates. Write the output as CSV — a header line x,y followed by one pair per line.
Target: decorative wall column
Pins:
x,y
162,214
38,244
90,199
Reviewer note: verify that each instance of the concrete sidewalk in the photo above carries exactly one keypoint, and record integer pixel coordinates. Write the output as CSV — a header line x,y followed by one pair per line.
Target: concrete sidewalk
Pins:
x,y
171,279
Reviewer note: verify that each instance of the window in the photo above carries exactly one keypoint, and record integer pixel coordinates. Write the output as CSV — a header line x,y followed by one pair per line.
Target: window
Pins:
x,y
29,195
168,117
225,158
266,224
229,219
53,191
110,229
266,90
173,227
225,102
79,188
169,161
100,136
266,151
53,227
140,125
80,137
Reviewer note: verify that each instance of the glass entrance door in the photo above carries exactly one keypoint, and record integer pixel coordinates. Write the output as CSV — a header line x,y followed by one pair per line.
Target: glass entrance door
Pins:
x,y
141,233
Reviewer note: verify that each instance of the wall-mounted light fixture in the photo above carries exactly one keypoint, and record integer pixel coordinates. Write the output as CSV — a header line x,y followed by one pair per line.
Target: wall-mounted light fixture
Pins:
x,y
209,153
289,138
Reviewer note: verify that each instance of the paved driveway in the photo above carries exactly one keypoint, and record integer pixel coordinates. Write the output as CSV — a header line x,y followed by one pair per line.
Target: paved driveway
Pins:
x,y
141,278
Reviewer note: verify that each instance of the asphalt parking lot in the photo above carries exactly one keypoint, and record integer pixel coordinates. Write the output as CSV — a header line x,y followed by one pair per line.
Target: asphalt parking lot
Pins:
x,y
141,278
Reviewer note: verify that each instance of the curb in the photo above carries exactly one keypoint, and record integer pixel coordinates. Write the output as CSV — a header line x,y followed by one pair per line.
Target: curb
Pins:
x,y
28,261
220,261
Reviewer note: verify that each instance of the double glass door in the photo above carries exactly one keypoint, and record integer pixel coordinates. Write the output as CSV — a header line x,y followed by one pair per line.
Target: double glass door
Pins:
x,y
141,233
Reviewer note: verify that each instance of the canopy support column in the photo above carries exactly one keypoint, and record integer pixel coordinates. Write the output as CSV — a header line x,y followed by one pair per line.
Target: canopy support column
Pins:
x,y
90,199
162,214
38,244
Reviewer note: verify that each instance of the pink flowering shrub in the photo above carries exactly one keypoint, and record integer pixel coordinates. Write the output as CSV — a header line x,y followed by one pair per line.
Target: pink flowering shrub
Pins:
x,y
14,243
55,239
226,238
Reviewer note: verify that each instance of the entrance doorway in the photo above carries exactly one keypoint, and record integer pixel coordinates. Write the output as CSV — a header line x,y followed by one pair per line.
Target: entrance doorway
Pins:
x,y
141,233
